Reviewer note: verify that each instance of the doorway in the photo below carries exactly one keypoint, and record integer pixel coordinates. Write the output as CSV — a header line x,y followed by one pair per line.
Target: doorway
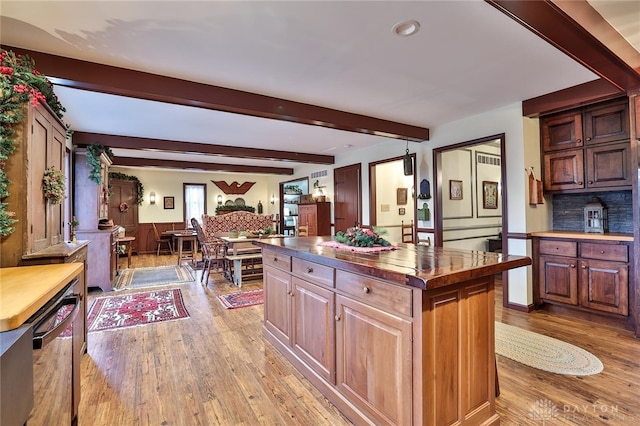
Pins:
x,y
471,197
347,208
392,200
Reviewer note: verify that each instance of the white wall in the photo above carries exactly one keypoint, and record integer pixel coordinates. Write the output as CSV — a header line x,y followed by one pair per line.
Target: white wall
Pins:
x,y
169,183
522,150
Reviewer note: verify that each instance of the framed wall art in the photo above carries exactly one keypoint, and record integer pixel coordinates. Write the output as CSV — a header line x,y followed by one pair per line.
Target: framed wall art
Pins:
x,y
455,190
402,196
489,194
169,203
401,211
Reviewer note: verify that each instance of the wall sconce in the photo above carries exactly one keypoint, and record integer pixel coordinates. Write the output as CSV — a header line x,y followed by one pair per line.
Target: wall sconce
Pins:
x,y
219,199
273,198
152,198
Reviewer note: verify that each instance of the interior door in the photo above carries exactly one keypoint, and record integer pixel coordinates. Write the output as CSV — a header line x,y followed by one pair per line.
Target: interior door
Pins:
x,y
124,191
347,208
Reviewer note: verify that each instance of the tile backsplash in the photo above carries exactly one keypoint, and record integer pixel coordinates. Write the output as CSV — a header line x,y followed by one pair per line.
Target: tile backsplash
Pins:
x,y
568,210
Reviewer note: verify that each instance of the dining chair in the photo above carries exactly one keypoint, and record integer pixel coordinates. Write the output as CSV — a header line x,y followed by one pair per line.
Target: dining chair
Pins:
x,y
407,232
213,252
162,240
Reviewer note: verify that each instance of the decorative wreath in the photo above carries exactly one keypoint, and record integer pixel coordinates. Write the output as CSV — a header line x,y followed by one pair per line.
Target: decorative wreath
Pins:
x,y
53,185
124,207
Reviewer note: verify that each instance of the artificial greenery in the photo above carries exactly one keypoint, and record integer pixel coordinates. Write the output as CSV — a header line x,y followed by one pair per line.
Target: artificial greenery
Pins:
x,y
93,160
122,176
53,185
226,209
360,237
20,84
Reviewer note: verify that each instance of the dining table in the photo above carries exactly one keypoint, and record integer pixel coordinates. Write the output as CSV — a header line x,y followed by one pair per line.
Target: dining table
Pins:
x,y
179,237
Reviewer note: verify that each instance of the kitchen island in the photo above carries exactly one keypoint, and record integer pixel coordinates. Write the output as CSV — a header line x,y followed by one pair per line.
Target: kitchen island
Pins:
x,y
397,337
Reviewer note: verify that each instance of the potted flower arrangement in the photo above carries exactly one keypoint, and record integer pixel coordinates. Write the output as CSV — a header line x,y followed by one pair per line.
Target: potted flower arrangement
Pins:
x,y
360,237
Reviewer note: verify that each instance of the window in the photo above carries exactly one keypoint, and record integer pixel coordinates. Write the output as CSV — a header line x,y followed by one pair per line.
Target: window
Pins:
x,y
195,201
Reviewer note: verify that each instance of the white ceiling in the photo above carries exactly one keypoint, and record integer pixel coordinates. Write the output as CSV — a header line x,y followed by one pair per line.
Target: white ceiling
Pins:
x,y
467,58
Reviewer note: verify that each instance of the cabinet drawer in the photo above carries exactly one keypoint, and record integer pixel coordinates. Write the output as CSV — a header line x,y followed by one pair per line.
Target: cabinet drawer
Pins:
x,y
392,298
615,252
313,272
559,248
277,260
76,257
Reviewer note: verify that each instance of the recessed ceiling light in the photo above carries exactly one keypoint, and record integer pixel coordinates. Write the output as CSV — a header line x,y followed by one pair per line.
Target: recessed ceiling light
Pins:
x,y
406,28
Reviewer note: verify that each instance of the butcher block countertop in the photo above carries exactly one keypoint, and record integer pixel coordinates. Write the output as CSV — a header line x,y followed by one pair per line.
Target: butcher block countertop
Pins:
x,y
423,267
25,289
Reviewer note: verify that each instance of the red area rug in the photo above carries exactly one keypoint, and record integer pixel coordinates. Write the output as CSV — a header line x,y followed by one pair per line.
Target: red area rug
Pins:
x,y
242,299
130,310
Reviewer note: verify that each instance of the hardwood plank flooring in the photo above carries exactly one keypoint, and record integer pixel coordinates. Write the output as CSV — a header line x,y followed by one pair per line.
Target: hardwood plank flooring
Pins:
x,y
216,369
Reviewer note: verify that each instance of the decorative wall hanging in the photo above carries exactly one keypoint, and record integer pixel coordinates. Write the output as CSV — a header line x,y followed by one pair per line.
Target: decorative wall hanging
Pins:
x,y
455,190
489,195
169,203
233,187
401,196
535,188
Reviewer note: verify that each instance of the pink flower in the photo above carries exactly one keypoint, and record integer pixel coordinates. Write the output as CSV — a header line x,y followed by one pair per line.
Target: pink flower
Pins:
x,y
20,88
6,70
36,98
36,72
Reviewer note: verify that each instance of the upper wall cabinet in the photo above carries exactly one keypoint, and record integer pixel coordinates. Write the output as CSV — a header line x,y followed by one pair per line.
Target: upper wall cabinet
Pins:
x,y
39,143
587,148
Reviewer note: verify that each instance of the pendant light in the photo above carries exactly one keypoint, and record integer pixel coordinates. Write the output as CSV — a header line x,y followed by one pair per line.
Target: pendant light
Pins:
x,y
408,162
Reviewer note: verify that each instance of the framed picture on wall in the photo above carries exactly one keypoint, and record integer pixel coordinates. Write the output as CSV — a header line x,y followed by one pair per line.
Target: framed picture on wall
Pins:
x,y
402,196
401,211
489,194
169,203
455,190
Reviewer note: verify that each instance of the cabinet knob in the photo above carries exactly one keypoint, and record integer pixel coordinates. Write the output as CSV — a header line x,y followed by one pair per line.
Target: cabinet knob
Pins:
x,y
583,266
590,182
579,183
572,265
588,138
275,259
578,140
366,289
337,317
601,251
309,270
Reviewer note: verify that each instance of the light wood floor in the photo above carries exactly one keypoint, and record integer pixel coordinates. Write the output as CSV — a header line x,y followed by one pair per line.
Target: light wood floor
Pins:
x,y
216,369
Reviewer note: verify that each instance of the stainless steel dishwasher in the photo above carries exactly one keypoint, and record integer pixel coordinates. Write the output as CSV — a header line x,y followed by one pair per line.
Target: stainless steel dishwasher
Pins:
x,y
53,360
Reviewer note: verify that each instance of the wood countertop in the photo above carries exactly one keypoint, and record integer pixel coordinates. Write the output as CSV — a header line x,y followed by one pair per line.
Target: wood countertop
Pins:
x,y
418,266
64,249
25,289
577,235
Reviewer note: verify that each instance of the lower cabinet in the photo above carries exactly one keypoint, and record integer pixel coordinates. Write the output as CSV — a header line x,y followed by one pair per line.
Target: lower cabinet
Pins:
x,y
354,338
586,274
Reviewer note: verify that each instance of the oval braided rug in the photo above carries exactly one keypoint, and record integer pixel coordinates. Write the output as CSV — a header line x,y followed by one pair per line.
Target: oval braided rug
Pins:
x,y
544,352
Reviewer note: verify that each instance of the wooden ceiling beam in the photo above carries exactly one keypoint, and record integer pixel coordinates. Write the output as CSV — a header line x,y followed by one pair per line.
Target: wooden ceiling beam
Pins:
x,y
550,22
192,165
129,142
101,78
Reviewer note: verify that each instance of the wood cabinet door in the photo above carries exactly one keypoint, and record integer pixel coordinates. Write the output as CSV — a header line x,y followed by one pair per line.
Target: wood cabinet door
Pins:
x,y
607,123
561,131
124,191
564,170
56,158
604,286
277,306
559,279
609,165
313,334
307,216
37,207
373,361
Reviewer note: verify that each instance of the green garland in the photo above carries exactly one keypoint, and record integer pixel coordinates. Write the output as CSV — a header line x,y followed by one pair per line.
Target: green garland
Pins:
x,y
20,84
122,176
93,160
221,209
